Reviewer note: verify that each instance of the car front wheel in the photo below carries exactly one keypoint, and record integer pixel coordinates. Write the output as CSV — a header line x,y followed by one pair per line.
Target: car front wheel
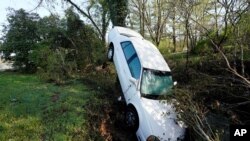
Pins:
x,y
132,119
110,53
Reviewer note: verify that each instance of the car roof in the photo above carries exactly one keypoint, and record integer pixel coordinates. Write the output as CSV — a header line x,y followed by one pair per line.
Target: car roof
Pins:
x,y
150,57
127,32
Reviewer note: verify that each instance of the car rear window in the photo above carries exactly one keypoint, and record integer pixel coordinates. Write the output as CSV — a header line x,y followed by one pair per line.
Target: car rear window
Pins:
x,y
132,59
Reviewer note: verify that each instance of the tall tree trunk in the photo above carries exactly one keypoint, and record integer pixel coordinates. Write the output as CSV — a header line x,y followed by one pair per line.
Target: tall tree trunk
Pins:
x,y
187,54
104,27
241,55
174,34
216,20
158,30
143,17
141,7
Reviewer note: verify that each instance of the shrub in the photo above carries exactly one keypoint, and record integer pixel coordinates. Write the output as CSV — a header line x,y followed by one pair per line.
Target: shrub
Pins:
x,y
52,65
202,47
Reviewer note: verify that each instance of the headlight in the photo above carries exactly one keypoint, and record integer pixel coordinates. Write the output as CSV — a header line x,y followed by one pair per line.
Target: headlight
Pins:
x,y
153,138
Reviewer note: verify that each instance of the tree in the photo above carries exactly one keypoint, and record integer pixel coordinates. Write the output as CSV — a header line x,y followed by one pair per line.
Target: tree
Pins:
x,y
1,48
65,47
233,11
101,15
82,39
137,13
173,17
118,11
1,45
100,6
21,37
96,11
52,31
152,14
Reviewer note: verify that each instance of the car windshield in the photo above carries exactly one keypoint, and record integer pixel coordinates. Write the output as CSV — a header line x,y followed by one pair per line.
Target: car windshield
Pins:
x,y
156,83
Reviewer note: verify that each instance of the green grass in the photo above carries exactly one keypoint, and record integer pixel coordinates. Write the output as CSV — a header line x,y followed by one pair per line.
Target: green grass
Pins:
x,y
33,110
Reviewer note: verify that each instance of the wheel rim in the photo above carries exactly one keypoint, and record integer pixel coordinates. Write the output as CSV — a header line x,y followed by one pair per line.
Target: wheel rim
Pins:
x,y
110,53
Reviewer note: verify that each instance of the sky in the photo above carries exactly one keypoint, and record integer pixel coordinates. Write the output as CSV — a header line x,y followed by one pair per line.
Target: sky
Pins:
x,y
28,6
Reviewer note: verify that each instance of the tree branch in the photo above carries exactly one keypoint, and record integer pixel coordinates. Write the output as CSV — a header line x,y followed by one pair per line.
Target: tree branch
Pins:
x,y
245,80
86,15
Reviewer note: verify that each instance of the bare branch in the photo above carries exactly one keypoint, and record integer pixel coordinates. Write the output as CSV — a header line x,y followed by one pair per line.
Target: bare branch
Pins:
x,y
86,15
246,81
38,5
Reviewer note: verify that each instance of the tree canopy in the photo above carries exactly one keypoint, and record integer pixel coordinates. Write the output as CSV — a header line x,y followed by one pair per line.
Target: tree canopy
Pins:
x,y
21,36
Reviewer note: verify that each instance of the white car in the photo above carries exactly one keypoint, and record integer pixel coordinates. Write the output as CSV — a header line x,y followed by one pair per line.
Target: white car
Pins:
x,y
144,76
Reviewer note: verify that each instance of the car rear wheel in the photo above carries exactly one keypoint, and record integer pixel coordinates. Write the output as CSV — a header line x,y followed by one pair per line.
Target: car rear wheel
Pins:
x,y
110,53
132,119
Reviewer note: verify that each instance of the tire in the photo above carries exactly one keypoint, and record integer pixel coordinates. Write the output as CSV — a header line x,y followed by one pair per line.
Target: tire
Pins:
x,y
131,119
110,53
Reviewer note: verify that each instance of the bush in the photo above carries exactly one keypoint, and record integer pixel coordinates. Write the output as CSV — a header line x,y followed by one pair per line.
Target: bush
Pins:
x,y
202,47
52,65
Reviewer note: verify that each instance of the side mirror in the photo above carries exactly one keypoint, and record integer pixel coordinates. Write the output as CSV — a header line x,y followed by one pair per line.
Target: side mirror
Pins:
x,y
175,83
133,80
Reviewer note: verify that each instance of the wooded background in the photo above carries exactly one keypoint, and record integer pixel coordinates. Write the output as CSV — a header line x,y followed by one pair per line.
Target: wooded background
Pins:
x,y
206,39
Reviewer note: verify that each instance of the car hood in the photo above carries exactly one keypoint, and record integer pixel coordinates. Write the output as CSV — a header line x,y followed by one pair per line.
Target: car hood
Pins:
x,y
161,119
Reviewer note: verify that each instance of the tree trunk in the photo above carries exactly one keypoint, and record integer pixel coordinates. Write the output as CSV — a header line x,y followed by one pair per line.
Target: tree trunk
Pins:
x,y
187,55
174,34
143,17
104,27
241,55
159,19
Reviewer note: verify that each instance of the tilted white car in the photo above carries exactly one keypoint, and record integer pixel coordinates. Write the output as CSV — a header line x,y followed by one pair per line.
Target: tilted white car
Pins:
x,y
144,76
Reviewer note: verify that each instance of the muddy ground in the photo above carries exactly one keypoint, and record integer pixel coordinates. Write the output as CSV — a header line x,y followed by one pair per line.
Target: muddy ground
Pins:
x,y
107,117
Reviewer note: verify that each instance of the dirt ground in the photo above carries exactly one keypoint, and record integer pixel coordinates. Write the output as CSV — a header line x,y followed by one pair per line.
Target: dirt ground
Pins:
x,y
114,126
110,113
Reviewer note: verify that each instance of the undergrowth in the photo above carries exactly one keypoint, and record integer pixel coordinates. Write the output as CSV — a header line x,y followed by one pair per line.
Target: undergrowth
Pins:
x,y
210,98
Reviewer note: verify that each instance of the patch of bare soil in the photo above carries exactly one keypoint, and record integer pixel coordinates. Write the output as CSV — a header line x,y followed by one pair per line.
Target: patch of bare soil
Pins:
x,y
107,117
114,124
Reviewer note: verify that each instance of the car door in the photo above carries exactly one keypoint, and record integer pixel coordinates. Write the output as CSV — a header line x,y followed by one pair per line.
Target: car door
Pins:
x,y
120,61
132,70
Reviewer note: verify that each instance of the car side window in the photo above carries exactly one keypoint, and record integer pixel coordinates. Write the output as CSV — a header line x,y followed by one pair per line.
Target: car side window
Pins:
x,y
128,49
132,59
135,68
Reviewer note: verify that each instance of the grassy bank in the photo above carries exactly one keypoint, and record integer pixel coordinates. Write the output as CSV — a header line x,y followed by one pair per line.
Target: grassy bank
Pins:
x,y
33,110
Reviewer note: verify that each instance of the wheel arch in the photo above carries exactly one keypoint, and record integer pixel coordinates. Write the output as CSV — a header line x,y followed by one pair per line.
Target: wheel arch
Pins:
x,y
135,107
111,44
136,126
